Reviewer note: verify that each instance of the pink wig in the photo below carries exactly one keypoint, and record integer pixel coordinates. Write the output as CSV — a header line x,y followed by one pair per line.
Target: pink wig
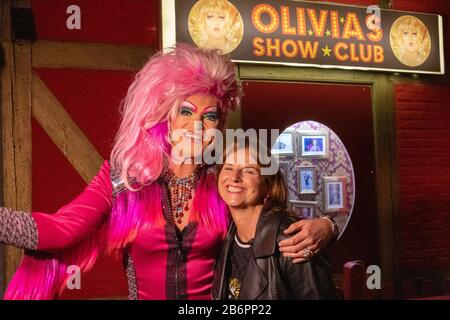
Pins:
x,y
141,147
153,99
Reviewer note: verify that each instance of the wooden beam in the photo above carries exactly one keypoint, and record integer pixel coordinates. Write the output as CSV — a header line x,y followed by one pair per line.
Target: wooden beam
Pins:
x,y
6,20
16,126
5,83
17,188
16,130
92,56
63,131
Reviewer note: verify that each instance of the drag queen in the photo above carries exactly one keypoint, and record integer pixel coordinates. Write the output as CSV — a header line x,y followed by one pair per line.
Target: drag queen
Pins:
x,y
165,218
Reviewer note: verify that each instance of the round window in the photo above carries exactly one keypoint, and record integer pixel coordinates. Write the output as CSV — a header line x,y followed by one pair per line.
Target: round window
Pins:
x,y
318,172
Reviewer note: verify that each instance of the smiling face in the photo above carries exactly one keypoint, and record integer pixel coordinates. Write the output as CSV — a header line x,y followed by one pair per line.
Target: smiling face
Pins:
x,y
196,114
240,183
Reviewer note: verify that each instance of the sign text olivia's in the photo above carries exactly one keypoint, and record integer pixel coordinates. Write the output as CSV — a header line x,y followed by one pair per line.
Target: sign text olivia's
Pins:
x,y
309,34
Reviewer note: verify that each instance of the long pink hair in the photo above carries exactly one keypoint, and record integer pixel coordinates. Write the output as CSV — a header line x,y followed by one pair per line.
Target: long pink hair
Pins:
x,y
140,148
154,98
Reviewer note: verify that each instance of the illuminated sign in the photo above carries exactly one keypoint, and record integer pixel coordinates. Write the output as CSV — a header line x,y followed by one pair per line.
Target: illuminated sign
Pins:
x,y
301,33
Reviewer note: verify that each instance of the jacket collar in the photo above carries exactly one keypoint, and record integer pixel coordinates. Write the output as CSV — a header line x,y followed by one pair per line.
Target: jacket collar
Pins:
x,y
264,245
266,234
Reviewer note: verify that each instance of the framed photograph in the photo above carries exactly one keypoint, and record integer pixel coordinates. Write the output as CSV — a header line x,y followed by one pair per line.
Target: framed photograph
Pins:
x,y
285,144
304,209
306,180
313,144
335,194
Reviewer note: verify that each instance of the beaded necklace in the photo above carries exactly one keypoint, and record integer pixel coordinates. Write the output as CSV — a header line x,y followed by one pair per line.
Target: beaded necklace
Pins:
x,y
180,192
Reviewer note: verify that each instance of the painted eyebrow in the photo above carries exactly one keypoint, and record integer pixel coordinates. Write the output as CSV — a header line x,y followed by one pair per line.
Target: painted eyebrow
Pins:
x,y
207,109
210,109
187,103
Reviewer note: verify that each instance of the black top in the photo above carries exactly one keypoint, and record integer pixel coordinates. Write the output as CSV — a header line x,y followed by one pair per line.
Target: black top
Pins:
x,y
241,254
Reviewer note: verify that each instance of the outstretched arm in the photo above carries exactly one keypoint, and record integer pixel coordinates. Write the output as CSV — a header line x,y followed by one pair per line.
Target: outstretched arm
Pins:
x,y
18,228
70,224
308,234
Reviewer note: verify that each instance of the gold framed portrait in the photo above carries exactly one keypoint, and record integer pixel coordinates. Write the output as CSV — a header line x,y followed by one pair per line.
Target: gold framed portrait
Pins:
x,y
216,24
410,41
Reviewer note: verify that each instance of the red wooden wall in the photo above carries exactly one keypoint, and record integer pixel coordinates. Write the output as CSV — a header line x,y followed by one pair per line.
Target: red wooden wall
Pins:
x,y
92,99
113,21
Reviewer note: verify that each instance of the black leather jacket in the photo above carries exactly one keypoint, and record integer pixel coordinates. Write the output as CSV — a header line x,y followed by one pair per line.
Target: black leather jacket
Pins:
x,y
270,275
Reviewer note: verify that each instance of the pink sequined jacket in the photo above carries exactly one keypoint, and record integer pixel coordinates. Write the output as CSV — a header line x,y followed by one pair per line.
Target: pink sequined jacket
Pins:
x,y
159,264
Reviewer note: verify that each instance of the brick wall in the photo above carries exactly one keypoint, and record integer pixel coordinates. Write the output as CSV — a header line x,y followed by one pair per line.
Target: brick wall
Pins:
x,y
423,155
423,146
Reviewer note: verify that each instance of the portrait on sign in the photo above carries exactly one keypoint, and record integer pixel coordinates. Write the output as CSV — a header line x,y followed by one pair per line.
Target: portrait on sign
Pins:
x,y
216,24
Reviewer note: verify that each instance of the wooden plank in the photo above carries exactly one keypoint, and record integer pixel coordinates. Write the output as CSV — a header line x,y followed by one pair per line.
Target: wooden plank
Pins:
x,y
17,147
22,124
16,130
63,131
386,176
6,20
5,100
92,56
22,143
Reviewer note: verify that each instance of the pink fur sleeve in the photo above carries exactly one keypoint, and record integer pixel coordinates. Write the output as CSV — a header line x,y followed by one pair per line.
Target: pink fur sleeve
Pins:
x,y
80,218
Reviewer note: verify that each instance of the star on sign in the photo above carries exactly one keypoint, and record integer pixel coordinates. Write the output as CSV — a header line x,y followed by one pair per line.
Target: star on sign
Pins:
x,y
328,33
326,51
342,20
310,32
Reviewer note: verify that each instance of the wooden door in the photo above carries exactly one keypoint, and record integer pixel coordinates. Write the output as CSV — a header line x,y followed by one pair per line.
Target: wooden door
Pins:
x,y
347,110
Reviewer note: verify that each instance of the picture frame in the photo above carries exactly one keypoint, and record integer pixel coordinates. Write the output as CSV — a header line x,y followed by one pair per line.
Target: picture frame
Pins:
x,y
285,145
306,180
314,144
304,209
335,193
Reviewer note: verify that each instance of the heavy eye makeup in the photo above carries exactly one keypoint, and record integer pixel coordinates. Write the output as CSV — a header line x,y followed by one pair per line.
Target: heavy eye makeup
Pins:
x,y
211,115
187,109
